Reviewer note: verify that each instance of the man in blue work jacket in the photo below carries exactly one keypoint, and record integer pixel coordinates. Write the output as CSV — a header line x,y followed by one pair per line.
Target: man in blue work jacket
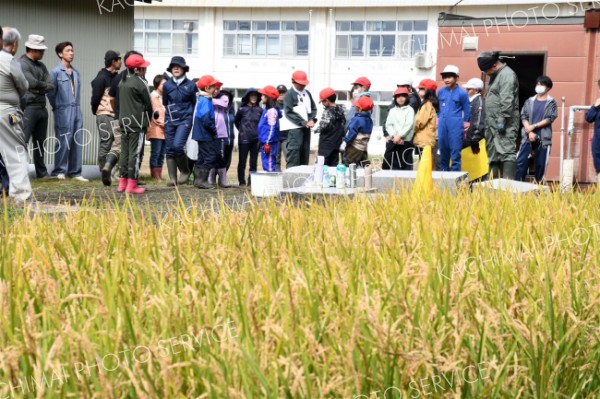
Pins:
x,y
454,117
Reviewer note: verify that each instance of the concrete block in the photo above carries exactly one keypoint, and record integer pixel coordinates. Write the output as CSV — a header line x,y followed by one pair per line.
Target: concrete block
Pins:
x,y
385,180
512,186
302,192
296,175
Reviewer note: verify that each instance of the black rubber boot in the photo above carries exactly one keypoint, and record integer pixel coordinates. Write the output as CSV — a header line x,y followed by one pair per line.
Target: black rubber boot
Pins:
x,y
111,161
201,178
172,170
184,169
509,170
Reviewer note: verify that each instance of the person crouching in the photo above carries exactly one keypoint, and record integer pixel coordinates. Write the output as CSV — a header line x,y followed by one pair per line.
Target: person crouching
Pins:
x,y
204,132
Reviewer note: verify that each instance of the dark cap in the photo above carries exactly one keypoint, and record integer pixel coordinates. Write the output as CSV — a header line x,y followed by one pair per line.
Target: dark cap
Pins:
x,y
487,59
180,62
282,89
111,56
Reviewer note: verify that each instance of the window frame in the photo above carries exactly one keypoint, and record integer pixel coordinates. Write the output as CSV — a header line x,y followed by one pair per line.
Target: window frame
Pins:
x,y
348,43
191,39
274,38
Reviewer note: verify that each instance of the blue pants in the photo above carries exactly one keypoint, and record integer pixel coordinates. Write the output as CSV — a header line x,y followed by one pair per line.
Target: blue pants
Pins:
x,y
68,128
596,152
269,161
176,136
157,153
540,158
209,154
450,136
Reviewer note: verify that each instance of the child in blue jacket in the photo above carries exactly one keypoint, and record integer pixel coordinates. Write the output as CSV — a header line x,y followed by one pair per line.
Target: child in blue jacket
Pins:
x,y
204,132
268,128
359,133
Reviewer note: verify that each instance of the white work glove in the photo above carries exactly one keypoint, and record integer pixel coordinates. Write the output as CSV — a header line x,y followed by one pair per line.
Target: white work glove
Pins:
x,y
343,146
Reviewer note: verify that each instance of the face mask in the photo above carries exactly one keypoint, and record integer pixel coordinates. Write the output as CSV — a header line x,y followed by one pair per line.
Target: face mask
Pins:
x,y
355,93
539,89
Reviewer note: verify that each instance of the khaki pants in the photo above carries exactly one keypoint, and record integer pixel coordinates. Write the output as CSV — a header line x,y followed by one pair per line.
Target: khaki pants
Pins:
x,y
14,154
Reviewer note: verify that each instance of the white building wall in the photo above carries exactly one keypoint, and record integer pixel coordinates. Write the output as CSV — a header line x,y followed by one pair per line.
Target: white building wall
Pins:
x,y
323,68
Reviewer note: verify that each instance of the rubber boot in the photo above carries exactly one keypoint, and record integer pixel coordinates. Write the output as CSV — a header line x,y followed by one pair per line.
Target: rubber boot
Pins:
x,y
156,173
201,178
172,169
132,187
122,184
494,170
211,177
184,169
223,178
111,161
509,170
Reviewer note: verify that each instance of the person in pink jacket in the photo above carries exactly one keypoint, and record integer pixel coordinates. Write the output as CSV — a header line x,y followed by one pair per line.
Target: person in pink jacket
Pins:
x,y
156,131
221,103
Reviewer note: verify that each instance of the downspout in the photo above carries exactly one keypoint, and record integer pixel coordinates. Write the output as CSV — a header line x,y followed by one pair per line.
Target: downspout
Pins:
x,y
591,63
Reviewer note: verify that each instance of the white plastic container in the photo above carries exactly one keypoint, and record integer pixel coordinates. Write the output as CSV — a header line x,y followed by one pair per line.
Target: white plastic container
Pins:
x,y
266,184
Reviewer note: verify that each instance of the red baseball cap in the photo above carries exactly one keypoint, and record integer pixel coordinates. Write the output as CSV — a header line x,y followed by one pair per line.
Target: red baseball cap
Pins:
x,y
363,81
428,84
205,81
136,61
270,92
219,84
401,90
300,78
365,103
326,93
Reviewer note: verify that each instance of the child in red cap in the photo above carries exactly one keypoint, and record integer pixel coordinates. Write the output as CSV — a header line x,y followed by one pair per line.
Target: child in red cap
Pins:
x,y
268,128
330,127
204,132
135,108
359,133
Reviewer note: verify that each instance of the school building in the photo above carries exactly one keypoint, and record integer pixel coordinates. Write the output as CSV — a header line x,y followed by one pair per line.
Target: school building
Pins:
x,y
252,43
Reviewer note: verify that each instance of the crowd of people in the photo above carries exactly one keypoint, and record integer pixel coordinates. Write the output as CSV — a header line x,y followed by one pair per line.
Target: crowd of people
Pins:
x,y
191,122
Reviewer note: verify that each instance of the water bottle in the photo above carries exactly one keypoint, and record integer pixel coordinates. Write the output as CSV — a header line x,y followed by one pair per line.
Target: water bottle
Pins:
x,y
352,183
340,178
368,177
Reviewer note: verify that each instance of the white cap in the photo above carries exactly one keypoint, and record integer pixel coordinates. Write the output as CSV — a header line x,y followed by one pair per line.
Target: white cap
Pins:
x,y
451,69
405,82
474,83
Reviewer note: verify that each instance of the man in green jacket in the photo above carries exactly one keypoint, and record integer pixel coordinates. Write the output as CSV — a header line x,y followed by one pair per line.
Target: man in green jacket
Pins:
x,y
502,115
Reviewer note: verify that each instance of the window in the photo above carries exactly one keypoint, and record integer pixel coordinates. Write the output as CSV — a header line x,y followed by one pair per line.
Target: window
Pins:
x,y
265,38
402,39
165,36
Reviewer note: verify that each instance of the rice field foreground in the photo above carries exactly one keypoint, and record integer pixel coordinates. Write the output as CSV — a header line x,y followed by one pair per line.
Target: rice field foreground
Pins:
x,y
476,295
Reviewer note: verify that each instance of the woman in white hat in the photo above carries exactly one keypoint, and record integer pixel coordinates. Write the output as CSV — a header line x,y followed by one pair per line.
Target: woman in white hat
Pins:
x,y
477,128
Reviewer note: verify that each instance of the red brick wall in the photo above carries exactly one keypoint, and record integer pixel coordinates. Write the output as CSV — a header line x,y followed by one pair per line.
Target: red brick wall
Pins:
x,y
573,63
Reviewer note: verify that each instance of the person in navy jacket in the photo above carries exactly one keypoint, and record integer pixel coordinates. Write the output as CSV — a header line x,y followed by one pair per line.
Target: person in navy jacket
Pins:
x,y
593,116
179,98
204,132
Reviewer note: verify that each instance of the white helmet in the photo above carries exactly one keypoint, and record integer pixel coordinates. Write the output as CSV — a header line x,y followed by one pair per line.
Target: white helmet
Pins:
x,y
405,82
451,69
474,83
